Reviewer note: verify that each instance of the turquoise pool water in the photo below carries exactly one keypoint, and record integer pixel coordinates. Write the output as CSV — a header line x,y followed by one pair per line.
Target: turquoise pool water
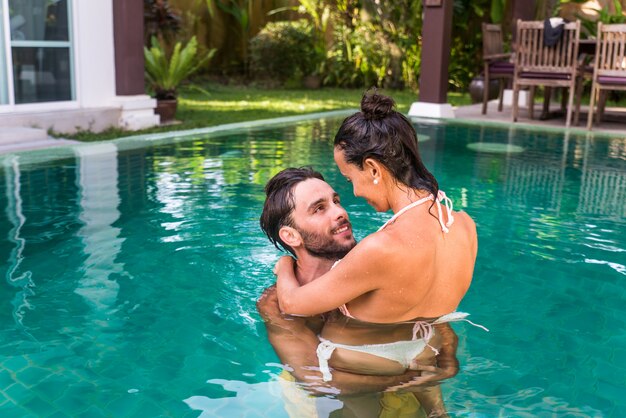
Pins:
x,y
131,274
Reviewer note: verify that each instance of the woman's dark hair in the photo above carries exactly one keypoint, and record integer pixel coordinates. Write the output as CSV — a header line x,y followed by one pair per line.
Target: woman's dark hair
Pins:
x,y
385,135
280,202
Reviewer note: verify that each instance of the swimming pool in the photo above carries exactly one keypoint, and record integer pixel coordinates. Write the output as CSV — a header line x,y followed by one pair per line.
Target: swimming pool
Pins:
x,y
131,272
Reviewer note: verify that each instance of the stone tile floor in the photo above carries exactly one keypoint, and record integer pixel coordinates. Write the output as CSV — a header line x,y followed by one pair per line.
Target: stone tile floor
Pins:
x,y
615,119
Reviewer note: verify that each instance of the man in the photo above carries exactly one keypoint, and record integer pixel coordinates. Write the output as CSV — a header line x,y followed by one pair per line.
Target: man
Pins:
x,y
303,215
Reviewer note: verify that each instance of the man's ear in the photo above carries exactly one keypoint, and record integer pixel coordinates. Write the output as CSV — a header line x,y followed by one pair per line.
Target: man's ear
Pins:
x,y
290,236
372,167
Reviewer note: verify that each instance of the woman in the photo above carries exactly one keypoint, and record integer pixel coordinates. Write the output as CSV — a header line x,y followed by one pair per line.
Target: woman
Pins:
x,y
402,283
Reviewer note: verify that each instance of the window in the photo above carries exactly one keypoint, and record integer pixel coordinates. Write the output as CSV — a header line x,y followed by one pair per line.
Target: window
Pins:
x,y
41,50
4,67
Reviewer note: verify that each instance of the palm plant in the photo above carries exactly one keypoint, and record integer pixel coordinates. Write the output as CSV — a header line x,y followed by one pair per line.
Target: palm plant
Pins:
x,y
165,73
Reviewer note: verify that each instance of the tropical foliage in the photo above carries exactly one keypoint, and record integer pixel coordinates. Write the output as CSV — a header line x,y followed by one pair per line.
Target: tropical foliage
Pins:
x,y
240,11
284,51
605,16
466,51
160,20
355,43
166,71
376,43
319,14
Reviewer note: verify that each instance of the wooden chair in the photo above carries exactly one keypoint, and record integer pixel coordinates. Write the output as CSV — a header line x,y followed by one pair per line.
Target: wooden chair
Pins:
x,y
609,71
497,63
539,65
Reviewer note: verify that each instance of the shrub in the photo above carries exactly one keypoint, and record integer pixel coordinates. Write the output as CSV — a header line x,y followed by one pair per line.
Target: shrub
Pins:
x,y
411,66
358,58
284,51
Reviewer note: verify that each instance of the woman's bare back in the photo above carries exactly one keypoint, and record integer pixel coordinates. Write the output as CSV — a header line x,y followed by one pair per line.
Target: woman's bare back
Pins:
x,y
429,271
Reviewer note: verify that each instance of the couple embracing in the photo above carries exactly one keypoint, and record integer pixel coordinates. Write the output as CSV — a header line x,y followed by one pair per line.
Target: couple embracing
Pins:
x,y
364,318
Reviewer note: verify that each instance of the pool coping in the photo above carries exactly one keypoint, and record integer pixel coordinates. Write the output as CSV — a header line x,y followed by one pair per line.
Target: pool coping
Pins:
x,y
138,141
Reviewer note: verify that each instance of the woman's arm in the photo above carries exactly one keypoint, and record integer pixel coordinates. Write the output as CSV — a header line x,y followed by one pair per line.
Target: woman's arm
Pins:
x,y
363,270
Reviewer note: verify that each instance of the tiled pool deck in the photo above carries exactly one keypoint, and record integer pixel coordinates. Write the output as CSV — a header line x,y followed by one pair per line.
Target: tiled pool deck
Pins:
x,y
615,119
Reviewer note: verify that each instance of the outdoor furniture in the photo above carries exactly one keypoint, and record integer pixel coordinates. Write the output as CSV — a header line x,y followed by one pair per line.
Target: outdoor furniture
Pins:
x,y
539,65
610,66
586,52
497,63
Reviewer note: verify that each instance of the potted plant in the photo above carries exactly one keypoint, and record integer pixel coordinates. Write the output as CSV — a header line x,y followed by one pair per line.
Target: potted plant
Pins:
x,y
166,71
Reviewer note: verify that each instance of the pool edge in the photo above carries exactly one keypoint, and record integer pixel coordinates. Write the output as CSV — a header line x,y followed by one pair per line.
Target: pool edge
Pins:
x,y
137,141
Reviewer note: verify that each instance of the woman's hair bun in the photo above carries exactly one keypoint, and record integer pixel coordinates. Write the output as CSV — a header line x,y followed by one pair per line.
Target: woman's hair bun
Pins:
x,y
376,106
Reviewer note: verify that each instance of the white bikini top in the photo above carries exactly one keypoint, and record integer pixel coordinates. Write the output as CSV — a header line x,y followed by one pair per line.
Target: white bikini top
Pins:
x,y
441,197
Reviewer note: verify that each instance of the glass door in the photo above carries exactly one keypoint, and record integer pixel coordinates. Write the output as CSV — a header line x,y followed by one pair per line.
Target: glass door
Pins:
x,y
4,65
41,50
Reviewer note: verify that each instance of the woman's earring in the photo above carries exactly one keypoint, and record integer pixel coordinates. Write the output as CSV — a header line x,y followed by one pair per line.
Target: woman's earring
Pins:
x,y
375,181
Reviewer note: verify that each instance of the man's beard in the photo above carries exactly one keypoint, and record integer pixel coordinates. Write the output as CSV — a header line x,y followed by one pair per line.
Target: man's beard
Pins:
x,y
323,246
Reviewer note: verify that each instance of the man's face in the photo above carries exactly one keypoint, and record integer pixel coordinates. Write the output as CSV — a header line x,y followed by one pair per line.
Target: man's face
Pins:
x,y
321,220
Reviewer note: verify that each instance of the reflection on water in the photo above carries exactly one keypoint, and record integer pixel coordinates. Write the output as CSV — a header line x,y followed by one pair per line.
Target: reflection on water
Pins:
x,y
603,183
537,178
132,276
540,172
16,278
97,180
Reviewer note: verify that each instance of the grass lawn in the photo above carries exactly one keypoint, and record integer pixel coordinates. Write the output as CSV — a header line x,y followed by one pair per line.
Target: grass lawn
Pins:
x,y
210,104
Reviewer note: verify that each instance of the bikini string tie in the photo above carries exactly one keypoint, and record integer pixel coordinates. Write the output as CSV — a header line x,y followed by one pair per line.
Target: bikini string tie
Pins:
x,y
324,352
425,329
441,197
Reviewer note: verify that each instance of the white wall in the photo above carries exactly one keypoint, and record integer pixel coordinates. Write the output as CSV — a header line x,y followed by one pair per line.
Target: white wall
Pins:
x,y
94,52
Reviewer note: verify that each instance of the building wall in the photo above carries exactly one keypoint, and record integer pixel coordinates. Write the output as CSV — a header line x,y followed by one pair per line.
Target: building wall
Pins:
x,y
95,55
96,106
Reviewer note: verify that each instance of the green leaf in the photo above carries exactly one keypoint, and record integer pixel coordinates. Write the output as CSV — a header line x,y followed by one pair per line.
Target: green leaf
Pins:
x,y
209,6
166,74
282,9
497,11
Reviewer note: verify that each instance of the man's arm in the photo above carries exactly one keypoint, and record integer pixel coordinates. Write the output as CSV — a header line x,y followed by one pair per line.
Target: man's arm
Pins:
x,y
296,344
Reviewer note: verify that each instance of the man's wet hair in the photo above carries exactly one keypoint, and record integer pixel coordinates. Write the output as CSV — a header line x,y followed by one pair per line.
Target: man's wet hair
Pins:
x,y
280,202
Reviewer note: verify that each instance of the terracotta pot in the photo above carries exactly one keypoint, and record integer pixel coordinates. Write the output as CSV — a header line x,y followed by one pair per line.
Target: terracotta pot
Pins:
x,y
312,82
166,109
477,86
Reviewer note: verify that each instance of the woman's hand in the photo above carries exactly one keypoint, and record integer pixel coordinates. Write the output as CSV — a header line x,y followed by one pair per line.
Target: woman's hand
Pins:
x,y
284,263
